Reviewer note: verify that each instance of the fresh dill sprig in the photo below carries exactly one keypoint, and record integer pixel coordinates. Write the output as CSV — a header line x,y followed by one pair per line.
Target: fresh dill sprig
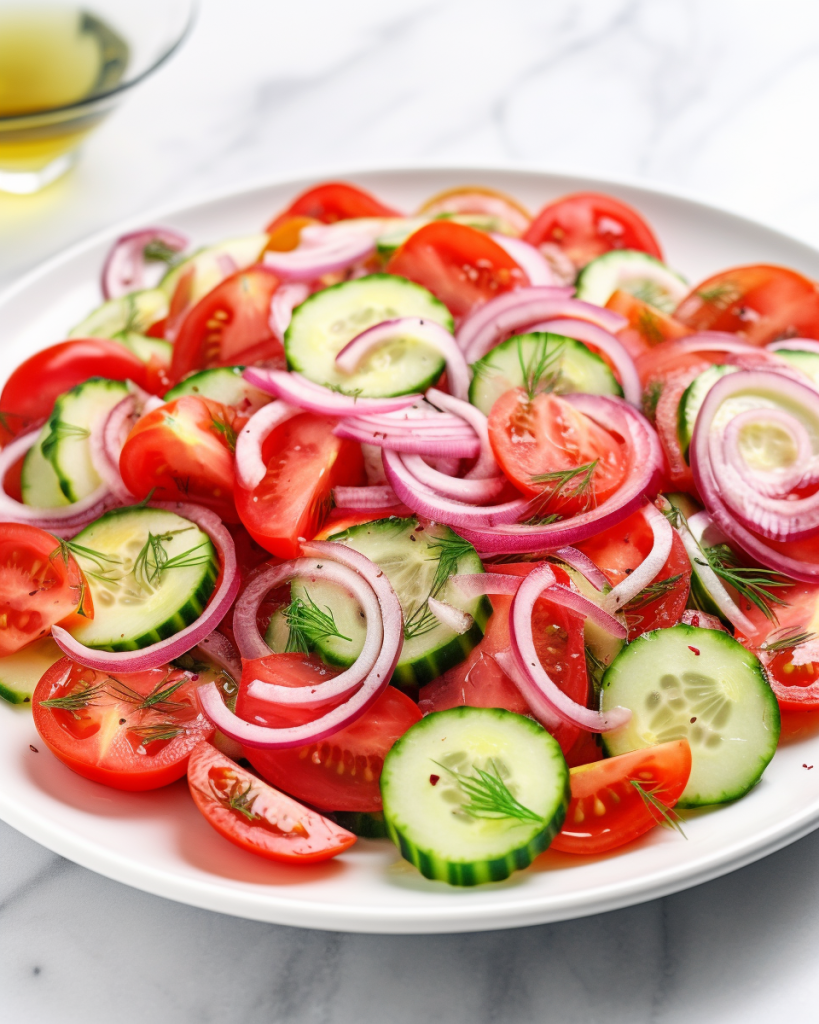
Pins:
x,y
595,670
752,584
104,564
489,796
450,551
59,430
652,592
668,816
721,295
542,372
153,558
159,698
78,700
561,483
157,732
237,799
651,397
785,643
308,625
649,327
226,430
352,393
158,252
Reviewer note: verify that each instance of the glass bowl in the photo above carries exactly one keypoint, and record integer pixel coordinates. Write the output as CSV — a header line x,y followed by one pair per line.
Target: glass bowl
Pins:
x,y
39,140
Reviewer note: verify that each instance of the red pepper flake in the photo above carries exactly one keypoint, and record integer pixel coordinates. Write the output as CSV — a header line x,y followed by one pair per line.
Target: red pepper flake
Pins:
x,y
33,749
693,719
433,779
694,649
808,766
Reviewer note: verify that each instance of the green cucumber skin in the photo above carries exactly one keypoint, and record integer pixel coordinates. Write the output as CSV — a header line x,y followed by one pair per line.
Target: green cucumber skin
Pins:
x,y
363,824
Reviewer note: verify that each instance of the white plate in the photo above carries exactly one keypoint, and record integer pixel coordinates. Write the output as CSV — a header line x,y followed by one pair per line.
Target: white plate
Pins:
x,y
159,842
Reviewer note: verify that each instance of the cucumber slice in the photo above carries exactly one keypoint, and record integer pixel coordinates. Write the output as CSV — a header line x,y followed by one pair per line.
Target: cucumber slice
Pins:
x,y
806,362
364,824
147,349
691,402
412,556
565,364
64,444
209,265
150,572
20,672
324,323
703,685
134,312
601,647
225,384
634,272
427,805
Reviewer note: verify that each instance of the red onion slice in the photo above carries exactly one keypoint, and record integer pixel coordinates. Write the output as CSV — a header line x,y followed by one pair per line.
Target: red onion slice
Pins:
x,y
221,652
473,492
794,345
186,639
427,332
285,299
297,390
106,446
476,584
531,693
606,342
580,561
124,267
530,260
450,616
485,315
486,465
393,625
647,570
250,466
441,445
376,496
528,663
322,249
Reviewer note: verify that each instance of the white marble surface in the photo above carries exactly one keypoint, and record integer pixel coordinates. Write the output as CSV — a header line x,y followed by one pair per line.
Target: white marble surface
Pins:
x,y
714,97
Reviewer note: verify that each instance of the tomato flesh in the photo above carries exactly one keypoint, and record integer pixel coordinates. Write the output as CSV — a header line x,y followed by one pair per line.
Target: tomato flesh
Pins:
x,y
586,225
183,451
230,325
461,266
305,461
331,202
132,731
607,809
341,772
257,817
647,326
551,451
40,585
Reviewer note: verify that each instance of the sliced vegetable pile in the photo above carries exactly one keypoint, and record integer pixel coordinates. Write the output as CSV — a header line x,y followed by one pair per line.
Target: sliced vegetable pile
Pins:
x,y
479,532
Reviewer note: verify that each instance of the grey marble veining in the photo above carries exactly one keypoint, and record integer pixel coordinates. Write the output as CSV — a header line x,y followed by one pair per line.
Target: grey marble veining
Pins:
x,y
717,97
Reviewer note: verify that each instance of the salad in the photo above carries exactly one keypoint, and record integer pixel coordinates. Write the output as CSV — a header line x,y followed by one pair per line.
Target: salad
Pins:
x,y
464,529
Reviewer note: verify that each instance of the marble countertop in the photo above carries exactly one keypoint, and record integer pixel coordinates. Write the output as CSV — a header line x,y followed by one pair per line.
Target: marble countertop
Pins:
x,y
713,97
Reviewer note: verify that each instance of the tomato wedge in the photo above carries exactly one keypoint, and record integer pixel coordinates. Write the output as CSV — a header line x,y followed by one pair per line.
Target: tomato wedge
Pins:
x,y
131,730
257,817
29,393
230,325
459,265
183,451
331,202
647,326
510,217
587,224
341,772
616,800
305,461
620,549
760,302
551,451
40,585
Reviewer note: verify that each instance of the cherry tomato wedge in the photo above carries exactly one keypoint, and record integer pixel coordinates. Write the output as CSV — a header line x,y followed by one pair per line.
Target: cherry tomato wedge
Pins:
x,y
40,585
480,682
333,201
29,393
183,451
647,326
230,325
305,461
341,772
616,800
132,730
620,549
550,450
759,302
461,266
257,817
511,217
587,224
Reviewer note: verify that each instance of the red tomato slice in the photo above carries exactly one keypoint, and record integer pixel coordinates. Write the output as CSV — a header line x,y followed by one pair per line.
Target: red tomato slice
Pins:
x,y
29,393
479,681
333,201
183,451
132,730
759,302
647,327
40,584
305,461
620,549
339,773
487,202
341,519
587,224
550,450
459,265
230,325
607,808
666,420
257,817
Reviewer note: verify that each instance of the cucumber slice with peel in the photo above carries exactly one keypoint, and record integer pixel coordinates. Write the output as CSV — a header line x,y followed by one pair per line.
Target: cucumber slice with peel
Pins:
x,y
20,672
134,312
806,362
635,272
472,794
212,265
703,685
691,402
223,384
155,350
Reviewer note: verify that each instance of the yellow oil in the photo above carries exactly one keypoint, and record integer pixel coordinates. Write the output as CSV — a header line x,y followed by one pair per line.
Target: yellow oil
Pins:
x,y
52,58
